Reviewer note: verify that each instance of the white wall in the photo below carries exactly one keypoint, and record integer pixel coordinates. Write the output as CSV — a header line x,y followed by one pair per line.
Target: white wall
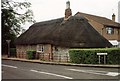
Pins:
x,y
62,54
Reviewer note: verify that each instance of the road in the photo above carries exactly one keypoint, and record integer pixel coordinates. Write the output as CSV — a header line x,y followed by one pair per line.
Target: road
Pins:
x,y
26,70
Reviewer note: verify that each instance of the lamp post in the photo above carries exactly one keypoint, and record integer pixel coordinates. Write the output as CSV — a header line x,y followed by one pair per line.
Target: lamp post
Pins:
x,y
8,42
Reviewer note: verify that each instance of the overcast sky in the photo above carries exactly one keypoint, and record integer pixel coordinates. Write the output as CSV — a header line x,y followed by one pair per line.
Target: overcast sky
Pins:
x,y
51,9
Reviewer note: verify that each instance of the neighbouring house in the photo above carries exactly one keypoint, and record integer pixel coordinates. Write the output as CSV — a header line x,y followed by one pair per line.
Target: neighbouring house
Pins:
x,y
55,37
106,27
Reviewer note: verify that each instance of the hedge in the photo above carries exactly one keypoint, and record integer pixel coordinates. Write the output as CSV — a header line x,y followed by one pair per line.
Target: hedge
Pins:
x,y
31,54
13,52
89,56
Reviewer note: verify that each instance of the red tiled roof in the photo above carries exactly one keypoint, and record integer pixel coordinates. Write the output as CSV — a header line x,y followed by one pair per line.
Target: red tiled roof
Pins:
x,y
102,20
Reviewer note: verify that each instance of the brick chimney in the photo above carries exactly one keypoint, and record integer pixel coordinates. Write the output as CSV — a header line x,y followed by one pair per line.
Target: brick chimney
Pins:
x,y
68,11
113,17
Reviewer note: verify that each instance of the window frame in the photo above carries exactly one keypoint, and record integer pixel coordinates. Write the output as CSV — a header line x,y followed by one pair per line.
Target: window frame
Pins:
x,y
110,30
40,48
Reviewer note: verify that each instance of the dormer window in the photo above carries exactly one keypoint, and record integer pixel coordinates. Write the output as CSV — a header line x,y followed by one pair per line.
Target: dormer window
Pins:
x,y
110,30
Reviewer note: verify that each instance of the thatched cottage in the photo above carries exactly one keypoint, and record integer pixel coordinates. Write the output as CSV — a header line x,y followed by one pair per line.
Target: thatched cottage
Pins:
x,y
57,36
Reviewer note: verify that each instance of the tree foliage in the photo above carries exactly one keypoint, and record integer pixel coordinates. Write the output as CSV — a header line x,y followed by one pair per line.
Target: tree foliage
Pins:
x,y
14,14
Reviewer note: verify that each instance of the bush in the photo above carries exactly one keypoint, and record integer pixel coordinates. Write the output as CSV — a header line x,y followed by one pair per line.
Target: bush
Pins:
x,y
89,56
13,52
31,54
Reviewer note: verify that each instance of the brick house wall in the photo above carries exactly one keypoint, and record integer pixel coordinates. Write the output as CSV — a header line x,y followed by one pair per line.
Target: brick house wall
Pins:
x,y
22,49
114,36
103,31
61,54
49,53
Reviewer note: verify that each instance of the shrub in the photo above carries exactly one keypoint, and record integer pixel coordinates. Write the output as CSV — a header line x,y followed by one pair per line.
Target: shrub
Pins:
x,y
89,56
13,52
31,54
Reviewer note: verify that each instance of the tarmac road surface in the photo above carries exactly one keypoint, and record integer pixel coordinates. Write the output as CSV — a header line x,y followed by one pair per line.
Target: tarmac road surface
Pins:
x,y
25,70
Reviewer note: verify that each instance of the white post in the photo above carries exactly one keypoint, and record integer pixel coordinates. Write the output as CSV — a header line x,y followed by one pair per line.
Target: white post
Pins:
x,y
99,59
8,42
104,59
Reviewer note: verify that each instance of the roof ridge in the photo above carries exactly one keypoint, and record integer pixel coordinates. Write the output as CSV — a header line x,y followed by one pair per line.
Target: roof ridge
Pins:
x,y
91,15
48,21
103,18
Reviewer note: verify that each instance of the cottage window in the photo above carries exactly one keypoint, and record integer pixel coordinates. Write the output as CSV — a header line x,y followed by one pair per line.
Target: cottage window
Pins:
x,y
40,48
109,30
56,49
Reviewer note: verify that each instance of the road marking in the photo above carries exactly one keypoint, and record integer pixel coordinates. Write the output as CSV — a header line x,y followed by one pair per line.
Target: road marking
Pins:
x,y
97,72
112,74
8,66
51,74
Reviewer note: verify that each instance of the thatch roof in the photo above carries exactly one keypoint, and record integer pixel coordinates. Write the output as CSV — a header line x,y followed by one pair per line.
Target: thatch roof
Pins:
x,y
75,32
102,20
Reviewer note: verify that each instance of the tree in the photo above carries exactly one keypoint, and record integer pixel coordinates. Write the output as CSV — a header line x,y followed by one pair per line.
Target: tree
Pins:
x,y
14,14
